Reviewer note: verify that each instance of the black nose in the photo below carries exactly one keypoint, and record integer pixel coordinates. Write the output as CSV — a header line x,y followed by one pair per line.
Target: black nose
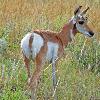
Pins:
x,y
91,33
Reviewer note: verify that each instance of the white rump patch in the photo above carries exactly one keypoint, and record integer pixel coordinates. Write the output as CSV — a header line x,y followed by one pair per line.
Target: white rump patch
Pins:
x,y
36,45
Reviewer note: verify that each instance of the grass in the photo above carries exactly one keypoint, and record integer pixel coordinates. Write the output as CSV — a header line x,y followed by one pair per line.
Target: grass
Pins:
x,y
79,70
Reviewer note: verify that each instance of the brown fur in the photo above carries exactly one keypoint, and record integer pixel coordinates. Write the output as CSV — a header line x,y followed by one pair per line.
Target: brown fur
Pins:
x,y
30,41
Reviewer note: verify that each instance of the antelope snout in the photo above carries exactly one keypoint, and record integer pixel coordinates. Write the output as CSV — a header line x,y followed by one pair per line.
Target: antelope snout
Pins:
x,y
91,33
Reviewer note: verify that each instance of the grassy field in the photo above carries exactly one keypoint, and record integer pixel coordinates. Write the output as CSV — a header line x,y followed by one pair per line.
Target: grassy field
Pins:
x,y
78,72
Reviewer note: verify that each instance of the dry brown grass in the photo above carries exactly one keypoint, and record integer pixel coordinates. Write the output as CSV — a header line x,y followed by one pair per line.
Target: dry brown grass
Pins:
x,y
17,17
37,12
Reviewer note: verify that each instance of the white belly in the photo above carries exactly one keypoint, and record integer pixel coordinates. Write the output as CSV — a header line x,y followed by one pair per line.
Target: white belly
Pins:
x,y
52,51
36,45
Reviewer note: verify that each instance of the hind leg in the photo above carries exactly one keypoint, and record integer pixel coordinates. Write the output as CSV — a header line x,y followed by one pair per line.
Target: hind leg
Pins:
x,y
40,60
27,61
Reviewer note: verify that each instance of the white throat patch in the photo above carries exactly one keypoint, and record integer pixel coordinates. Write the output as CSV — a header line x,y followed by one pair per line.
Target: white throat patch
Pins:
x,y
71,34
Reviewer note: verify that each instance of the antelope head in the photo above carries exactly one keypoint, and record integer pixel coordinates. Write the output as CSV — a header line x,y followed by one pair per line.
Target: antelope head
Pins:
x,y
80,22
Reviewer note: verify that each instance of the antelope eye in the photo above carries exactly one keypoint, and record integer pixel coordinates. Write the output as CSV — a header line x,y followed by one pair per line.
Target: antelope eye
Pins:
x,y
81,22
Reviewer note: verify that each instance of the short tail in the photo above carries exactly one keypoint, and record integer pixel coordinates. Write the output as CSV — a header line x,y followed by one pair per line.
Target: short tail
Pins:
x,y
30,41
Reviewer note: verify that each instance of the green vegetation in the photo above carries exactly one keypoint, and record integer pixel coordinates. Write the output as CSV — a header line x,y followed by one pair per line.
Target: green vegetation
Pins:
x,y
78,71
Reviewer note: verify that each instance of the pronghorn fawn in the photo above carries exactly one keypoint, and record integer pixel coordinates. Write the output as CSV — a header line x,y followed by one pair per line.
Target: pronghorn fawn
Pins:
x,y
42,46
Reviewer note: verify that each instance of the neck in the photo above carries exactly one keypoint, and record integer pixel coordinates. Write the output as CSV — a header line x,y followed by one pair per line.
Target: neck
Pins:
x,y
67,33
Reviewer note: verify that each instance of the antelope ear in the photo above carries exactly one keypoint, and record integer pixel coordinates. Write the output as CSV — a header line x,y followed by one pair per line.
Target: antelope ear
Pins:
x,y
84,12
77,10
